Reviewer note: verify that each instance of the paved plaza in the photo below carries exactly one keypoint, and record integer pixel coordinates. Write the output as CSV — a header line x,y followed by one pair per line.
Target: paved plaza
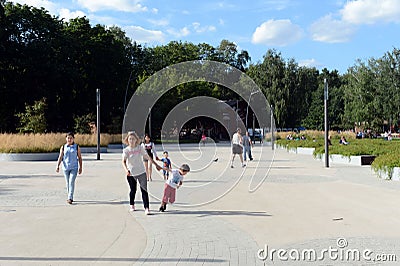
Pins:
x,y
223,216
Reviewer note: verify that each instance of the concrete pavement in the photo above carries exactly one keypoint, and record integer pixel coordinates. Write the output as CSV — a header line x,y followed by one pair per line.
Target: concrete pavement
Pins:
x,y
219,217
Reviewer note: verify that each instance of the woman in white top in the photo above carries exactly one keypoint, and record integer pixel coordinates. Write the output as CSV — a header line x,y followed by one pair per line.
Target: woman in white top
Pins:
x,y
135,172
150,148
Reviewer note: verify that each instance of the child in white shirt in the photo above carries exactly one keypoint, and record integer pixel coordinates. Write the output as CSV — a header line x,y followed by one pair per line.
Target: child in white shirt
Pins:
x,y
173,182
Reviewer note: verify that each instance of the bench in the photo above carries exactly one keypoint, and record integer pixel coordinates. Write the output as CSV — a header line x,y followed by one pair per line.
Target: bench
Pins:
x,y
367,159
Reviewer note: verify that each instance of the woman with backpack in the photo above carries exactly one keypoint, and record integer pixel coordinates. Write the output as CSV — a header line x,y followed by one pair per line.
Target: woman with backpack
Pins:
x,y
71,158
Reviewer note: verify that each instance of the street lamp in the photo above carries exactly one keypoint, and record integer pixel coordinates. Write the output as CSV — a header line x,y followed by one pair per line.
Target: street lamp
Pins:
x,y
248,103
150,122
326,122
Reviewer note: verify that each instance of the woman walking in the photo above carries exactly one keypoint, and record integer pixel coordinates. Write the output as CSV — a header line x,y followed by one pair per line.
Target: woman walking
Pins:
x,y
71,158
134,168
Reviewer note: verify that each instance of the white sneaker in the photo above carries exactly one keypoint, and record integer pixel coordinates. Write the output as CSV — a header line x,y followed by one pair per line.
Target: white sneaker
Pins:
x,y
132,208
147,211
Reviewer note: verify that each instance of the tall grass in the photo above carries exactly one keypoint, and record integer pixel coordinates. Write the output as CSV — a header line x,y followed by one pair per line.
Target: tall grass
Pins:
x,y
49,142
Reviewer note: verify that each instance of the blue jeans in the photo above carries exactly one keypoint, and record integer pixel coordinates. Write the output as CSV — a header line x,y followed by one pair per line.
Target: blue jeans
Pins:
x,y
70,176
247,150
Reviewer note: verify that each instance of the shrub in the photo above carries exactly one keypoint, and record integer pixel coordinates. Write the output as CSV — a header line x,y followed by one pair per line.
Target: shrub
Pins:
x,y
82,123
33,120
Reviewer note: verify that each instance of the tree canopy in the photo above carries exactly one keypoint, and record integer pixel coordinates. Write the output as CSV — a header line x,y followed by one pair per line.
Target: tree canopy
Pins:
x,y
64,62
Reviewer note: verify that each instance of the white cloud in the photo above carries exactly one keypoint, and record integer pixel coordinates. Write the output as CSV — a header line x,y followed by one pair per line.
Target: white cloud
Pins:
x,y
48,5
160,22
118,5
67,14
200,29
154,10
371,11
180,33
329,30
141,35
309,63
221,21
277,32
185,31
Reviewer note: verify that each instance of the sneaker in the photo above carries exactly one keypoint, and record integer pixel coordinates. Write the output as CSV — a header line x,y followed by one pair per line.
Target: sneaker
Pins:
x,y
147,211
132,208
69,201
231,166
161,209
165,207
251,159
243,165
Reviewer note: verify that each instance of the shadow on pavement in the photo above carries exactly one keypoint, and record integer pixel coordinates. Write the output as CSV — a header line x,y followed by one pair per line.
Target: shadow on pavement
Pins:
x,y
204,213
92,259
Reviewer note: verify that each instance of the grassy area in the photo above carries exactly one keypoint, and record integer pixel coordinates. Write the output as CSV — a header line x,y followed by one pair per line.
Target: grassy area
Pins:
x,y
386,152
51,142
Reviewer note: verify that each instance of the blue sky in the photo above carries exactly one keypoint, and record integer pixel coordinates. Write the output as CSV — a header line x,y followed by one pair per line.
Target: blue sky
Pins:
x,y
331,33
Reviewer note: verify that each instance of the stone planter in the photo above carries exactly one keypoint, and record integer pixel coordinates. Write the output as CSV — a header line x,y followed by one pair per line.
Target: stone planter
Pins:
x,y
51,156
352,160
393,175
46,156
307,151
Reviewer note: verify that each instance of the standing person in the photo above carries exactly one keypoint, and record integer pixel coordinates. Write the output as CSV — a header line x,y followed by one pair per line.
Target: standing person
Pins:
x,y
166,165
150,148
71,158
173,182
237,146
203,139
134,168
247,146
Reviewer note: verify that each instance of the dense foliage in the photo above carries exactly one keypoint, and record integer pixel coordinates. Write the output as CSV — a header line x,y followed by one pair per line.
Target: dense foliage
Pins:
x,y
386,152
64,62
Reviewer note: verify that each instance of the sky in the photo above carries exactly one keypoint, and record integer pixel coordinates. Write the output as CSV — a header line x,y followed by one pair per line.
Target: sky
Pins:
x,y
330,34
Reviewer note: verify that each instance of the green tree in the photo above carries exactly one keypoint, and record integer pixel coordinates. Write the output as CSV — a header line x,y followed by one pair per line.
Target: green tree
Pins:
x,y
270,75
372,97
30,41
315,117
33,120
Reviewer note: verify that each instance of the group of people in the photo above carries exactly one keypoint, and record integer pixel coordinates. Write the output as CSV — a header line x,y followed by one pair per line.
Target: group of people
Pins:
x,y
133,154
137,160
241,146
291,137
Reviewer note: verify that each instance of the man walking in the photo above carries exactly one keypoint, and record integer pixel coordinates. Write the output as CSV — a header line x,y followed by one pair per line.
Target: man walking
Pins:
x,y
247,145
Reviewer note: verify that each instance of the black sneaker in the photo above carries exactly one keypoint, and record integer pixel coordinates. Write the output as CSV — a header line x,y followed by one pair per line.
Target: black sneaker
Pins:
x,y
161,209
